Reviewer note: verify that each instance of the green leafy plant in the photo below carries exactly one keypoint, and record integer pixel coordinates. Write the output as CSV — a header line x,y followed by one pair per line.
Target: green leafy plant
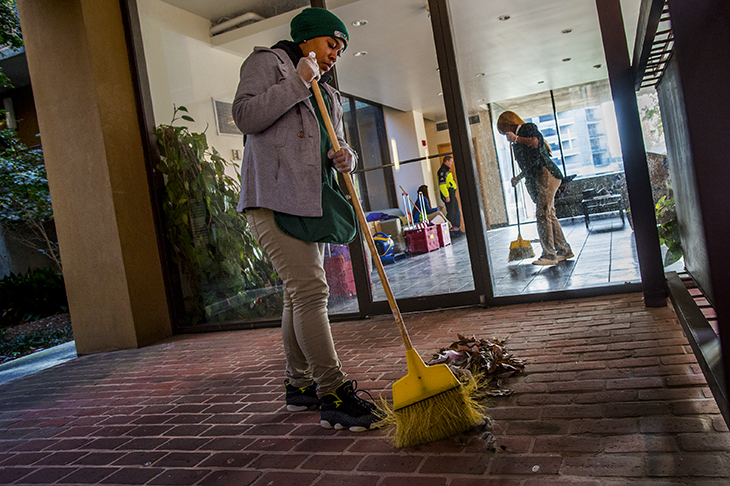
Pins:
x,y
31,296
225,273
651,122
668,229
25,200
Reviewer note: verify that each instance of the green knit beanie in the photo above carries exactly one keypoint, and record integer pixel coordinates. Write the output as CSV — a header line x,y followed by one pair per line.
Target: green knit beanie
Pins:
x,y
317,22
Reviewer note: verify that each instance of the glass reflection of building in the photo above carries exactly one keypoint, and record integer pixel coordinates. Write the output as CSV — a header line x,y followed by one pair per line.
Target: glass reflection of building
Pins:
x,y
586,144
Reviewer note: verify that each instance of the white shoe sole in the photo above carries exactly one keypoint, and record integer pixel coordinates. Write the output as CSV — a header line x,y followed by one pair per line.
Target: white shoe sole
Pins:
x,y
301,408
355,428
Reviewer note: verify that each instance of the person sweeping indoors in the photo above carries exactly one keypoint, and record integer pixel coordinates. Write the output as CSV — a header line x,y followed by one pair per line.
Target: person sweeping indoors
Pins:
x,y
542,179
294,206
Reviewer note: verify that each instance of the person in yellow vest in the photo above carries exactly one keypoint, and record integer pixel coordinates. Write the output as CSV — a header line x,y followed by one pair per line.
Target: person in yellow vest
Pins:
x,y
447,188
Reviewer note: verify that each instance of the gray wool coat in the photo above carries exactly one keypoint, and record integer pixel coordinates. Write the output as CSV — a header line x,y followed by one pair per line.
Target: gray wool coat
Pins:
x,y
281,167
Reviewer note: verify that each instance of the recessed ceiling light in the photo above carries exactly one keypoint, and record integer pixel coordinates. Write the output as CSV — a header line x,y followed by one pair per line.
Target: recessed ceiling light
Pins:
x,y
503,17
566,31
566,59
441,94
597,66
361,53
359,23
479,75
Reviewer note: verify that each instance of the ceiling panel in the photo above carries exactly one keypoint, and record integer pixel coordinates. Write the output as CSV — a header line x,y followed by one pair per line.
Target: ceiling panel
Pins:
x,y
218,10
520,56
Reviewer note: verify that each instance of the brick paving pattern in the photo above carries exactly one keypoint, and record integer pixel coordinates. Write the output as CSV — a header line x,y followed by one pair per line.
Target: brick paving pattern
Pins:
x,y
611,395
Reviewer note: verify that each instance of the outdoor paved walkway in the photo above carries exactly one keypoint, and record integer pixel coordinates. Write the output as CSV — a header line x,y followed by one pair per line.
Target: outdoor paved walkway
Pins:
x,y
611,395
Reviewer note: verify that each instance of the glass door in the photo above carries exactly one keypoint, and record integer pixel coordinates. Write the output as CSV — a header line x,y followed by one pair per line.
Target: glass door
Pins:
x,y
193,53
394,117
545,75
389,74
521,57
365,131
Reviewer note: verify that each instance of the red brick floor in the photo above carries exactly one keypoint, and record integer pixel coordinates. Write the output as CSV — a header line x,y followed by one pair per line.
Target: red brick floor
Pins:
x,y
611,395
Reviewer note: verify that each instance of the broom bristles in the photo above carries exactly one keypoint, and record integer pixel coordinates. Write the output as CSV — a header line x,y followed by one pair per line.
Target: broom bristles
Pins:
x,y
438,417
521,253
520,249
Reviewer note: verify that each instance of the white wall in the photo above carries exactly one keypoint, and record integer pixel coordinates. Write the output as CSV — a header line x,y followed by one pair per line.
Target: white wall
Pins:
x,y
408,130
185,69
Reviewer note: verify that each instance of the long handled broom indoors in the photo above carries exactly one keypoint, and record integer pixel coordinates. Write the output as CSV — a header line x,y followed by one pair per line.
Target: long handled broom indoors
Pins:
x,y
414,204
429,403
520,248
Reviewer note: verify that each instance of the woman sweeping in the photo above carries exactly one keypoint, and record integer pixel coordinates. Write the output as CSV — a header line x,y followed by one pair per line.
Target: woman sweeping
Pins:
x,y
294,205
542,179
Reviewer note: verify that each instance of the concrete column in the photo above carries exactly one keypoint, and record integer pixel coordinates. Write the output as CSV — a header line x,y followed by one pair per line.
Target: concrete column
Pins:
x,y
79,67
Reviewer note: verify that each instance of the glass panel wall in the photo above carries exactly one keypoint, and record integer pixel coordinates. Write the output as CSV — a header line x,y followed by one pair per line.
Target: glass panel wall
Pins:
x,y
661,180
395,118
365,129
391,63
549,70
193,52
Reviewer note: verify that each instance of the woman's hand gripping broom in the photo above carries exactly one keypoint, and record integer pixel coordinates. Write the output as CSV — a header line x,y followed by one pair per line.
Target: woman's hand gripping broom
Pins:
x,y
429,403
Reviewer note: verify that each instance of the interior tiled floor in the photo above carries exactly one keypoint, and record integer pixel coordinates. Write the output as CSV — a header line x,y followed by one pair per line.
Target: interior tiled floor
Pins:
x,y
605,254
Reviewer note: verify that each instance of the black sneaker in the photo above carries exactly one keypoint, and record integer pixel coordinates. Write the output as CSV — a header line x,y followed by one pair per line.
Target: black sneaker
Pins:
x,y
299,399
343,409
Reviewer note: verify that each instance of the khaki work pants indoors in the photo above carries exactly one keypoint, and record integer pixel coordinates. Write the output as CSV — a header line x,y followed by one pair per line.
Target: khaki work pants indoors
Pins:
x,y
548,227
305,328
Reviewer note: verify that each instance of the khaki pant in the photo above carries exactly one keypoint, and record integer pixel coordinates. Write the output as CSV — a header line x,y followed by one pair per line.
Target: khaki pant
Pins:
x,y
305,328
548,227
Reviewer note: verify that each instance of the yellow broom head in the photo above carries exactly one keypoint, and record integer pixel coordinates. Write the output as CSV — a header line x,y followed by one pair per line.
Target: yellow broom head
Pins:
x,y
422,381
444,415
430,404
520,249
520,243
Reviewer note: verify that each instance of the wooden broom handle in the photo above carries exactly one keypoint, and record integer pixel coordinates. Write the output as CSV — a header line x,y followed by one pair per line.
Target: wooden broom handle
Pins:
x,y
363,221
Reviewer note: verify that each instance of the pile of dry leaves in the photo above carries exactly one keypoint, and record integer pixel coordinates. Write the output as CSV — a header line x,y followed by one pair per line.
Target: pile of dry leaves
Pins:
x,y
487,359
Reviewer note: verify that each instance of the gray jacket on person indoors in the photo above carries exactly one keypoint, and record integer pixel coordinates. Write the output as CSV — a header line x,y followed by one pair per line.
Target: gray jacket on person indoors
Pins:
x,y
282,165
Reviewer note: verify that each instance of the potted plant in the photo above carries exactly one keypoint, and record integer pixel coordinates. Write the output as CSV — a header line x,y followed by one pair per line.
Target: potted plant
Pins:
x,y
224,272
668,228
